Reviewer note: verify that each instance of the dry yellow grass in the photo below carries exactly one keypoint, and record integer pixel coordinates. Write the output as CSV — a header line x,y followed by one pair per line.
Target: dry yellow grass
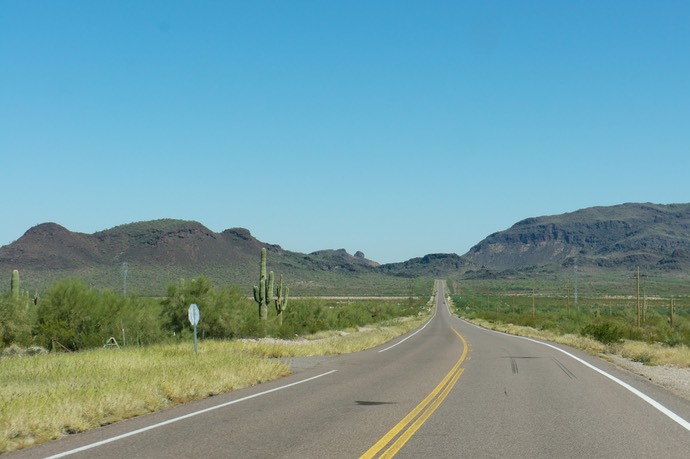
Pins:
x,y
47,396
579,342
330,343
649,354
654,354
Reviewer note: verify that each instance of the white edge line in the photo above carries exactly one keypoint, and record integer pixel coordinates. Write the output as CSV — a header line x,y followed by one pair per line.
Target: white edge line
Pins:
x,y
682,422
407,337
410,336
189,415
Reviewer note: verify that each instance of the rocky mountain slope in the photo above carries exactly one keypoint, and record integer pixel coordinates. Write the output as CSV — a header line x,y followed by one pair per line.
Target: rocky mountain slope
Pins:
x,y
652,236
156,253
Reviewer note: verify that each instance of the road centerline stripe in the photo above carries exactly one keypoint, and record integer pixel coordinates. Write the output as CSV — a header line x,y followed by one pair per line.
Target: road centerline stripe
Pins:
x,y
405,436
419,415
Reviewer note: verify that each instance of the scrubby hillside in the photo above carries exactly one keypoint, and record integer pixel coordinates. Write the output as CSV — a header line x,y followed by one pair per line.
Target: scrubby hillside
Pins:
x,y
656,237
157,253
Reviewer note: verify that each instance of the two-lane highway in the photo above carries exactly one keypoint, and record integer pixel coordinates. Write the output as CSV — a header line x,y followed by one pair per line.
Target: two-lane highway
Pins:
x,y
449,389
350,403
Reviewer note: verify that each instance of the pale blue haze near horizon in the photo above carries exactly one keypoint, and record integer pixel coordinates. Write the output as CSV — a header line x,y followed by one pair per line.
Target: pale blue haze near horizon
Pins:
x,y
397,128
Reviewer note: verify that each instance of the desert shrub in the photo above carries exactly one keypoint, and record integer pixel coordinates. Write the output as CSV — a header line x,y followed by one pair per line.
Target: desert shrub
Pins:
x,y
670,336
604,332
180,296
80,317
224,313
68,314
16,319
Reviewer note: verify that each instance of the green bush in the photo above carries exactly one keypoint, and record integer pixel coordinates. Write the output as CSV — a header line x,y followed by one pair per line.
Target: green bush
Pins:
x,y
68,315
16,319
79,317
73,315
604,332
224,313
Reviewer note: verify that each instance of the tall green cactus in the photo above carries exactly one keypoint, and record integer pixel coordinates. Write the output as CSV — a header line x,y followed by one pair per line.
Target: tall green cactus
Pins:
x,y
262,294
14,284
281,300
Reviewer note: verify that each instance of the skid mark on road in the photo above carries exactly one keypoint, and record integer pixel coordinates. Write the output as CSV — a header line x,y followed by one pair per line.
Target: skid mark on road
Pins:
x,y
567,372
667,412
513,364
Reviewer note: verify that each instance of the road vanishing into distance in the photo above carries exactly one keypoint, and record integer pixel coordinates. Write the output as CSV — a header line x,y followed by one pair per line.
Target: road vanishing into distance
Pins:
x,y
448,389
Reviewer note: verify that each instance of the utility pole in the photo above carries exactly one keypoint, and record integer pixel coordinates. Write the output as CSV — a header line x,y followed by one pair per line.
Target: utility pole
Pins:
x,y
567,298
638,298
576,305
534,312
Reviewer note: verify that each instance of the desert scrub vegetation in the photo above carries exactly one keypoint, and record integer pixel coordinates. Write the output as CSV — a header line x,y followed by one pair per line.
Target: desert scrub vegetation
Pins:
x,y
72,316
599,324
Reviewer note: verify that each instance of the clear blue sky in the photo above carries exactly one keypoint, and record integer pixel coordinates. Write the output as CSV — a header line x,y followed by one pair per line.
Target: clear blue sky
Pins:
x,y
397,128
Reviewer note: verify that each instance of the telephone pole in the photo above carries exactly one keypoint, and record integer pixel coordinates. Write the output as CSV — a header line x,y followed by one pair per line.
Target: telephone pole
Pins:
x,y
638,298
567,298
575,293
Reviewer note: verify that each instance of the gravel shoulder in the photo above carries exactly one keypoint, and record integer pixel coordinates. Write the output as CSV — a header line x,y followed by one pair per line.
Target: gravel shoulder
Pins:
x,y
672,378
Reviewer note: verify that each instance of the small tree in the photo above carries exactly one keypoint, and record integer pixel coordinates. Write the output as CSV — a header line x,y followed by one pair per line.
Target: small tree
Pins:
x,y
180,295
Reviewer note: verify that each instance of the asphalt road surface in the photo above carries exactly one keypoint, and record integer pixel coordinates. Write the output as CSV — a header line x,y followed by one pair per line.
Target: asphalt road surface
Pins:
x,y
448,389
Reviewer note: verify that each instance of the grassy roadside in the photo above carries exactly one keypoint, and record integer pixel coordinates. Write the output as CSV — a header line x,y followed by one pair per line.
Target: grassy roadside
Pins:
x,y
647,353
47,396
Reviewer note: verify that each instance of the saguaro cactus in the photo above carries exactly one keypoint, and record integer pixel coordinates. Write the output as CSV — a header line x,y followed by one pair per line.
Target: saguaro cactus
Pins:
x,y
281,300
14,284
262,295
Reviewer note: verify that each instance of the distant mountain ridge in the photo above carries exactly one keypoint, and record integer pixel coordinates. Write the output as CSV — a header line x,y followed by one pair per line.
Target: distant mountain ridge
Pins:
x,y
650,235
158,252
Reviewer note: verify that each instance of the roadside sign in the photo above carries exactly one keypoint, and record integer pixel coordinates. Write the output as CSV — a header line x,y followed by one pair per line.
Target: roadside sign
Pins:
x,y
193,314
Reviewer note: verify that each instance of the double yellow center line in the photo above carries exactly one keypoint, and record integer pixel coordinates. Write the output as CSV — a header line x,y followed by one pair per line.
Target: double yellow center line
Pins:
x,y
418,416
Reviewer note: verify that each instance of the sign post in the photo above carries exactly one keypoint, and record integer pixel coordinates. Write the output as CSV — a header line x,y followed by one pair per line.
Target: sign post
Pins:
x,y
193,314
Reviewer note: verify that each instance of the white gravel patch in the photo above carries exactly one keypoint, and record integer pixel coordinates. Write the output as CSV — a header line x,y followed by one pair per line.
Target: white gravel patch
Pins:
x,y
676,380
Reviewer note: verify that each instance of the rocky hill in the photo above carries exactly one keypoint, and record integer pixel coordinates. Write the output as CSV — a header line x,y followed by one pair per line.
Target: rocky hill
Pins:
x,y
652,236
432,265
156,253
